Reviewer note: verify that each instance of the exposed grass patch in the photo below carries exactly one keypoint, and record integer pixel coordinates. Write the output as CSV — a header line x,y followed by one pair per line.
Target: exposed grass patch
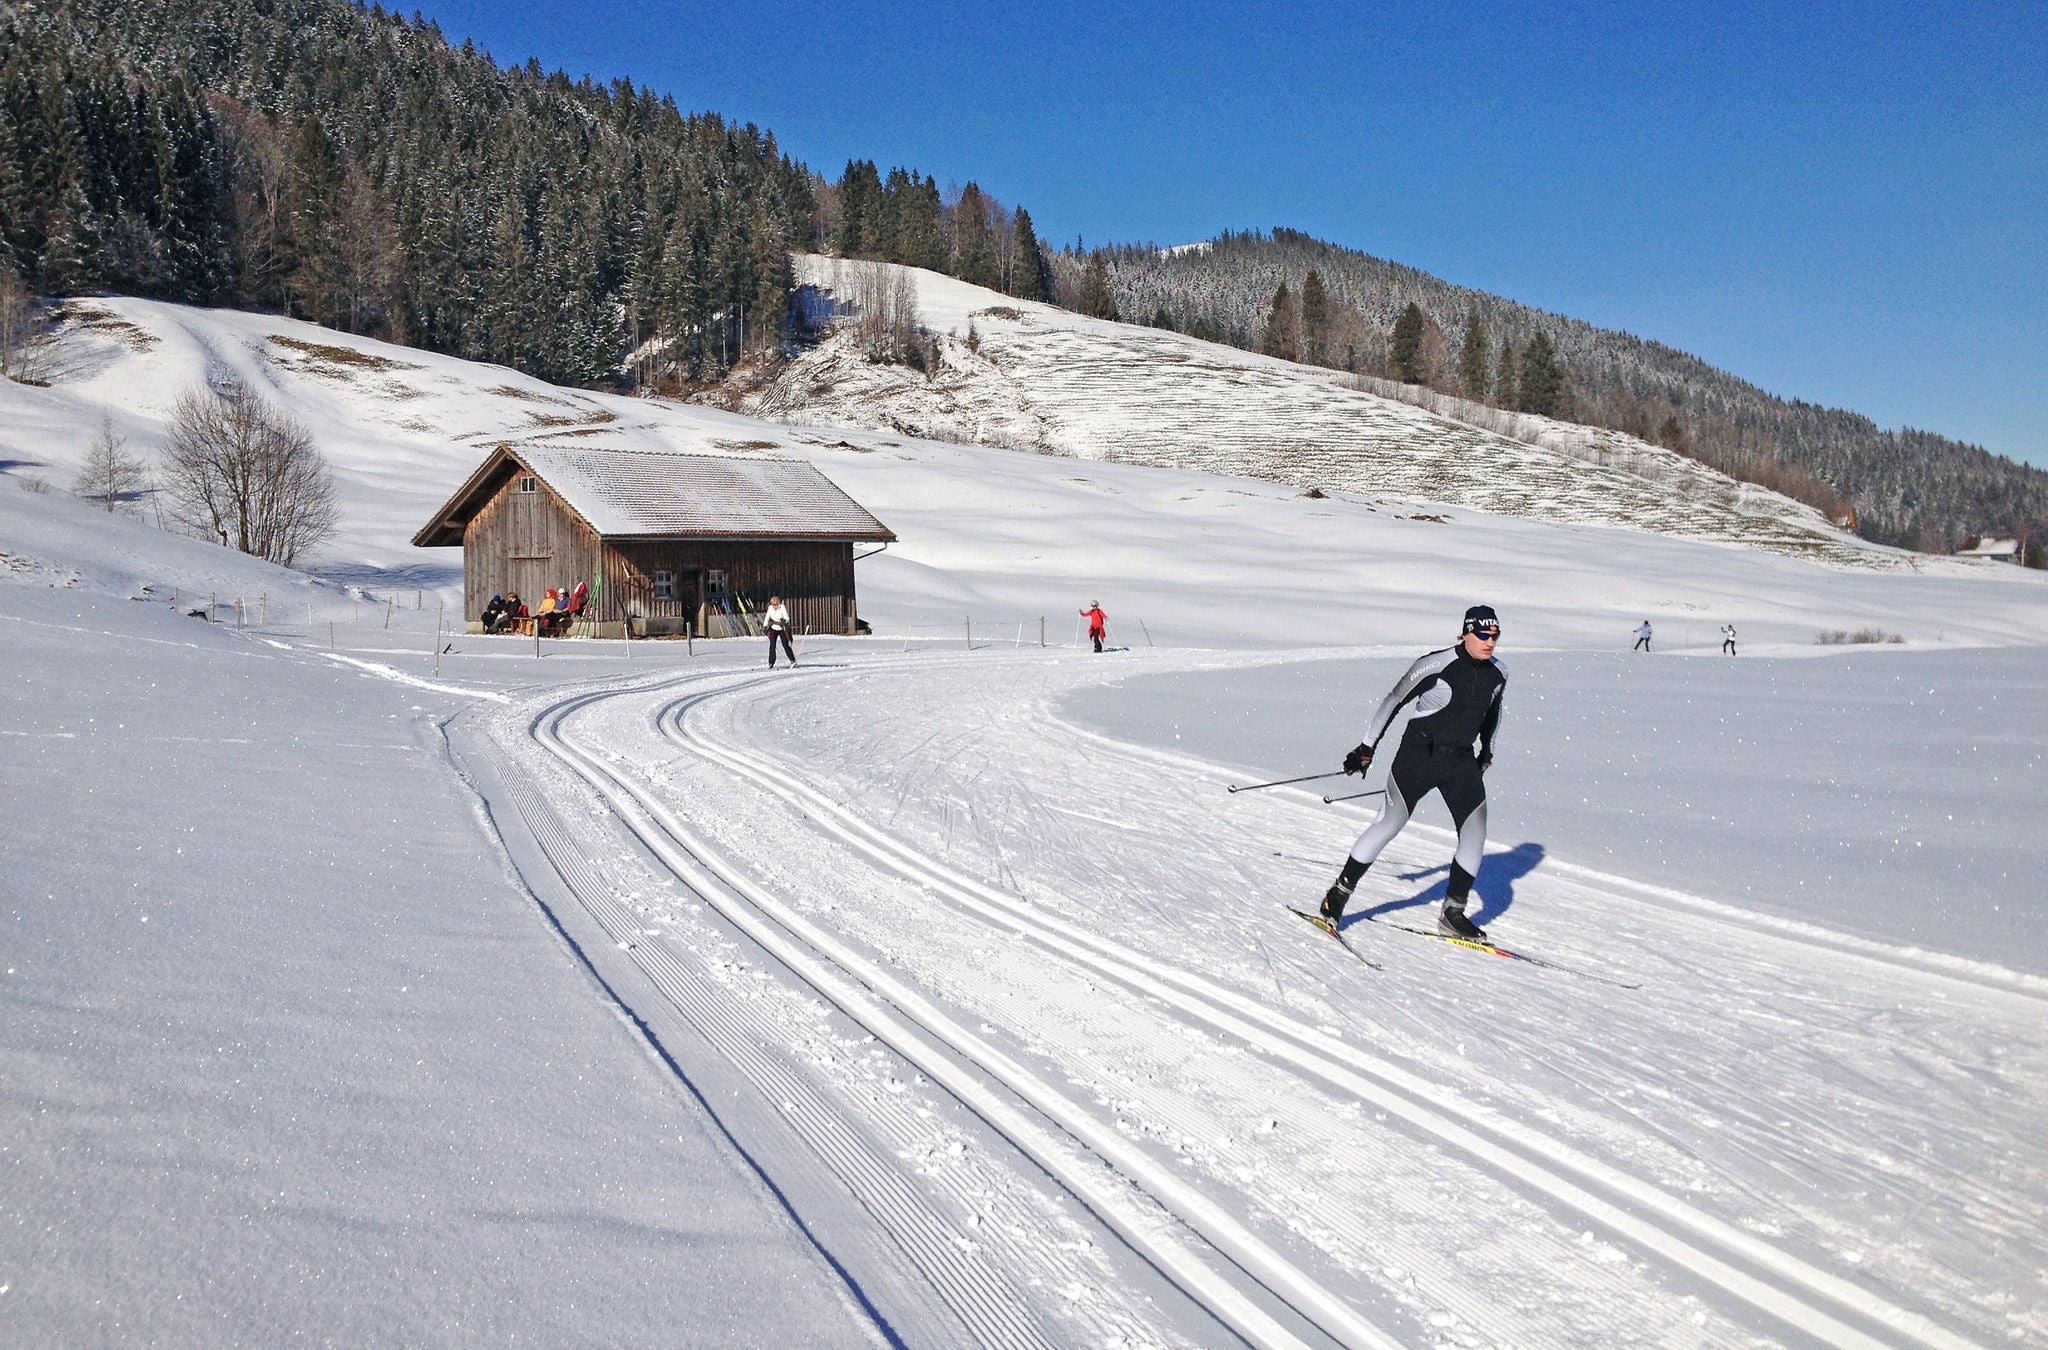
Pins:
x,y
527,395
338,362
595,418
1840,637
75,314
1001,312
747,445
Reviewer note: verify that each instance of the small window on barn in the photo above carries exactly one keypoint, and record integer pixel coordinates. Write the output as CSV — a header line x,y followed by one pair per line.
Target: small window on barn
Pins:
x,y
664,585
528,483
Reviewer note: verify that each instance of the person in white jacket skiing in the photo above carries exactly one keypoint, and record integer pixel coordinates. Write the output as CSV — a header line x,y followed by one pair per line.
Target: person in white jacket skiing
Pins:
x,y
1456,693
1642,636
775,622
1728,639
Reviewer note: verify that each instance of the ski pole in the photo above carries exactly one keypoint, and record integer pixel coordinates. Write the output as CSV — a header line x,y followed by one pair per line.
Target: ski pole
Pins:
x,y
1354,796
1280,782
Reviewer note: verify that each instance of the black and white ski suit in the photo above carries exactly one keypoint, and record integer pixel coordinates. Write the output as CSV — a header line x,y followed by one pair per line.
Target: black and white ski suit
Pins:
x,y
1457,705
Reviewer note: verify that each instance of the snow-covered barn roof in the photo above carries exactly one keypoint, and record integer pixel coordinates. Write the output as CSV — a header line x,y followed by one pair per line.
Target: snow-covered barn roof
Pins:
x,y
1991,546
661,494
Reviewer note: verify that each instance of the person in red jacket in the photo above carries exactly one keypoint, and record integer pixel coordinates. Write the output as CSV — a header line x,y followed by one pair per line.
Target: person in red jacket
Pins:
x,y
1098,623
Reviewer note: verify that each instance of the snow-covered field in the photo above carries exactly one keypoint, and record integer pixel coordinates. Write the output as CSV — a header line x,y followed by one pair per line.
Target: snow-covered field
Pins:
x,y
361,985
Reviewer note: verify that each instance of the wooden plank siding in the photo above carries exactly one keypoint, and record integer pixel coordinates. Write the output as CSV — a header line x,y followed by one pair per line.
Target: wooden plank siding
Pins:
x,y
813,577
525,542
529,541
702,518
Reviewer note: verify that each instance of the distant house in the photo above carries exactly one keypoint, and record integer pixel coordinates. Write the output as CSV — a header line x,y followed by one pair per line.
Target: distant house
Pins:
x,y
669,542
1994,546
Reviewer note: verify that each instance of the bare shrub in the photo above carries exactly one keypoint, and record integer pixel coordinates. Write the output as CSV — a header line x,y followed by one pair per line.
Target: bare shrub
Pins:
x,y
110,475
883,301
25,343
1839,637
244,472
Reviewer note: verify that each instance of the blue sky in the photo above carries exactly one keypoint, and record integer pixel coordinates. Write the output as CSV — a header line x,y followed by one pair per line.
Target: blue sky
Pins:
x,y
1844,203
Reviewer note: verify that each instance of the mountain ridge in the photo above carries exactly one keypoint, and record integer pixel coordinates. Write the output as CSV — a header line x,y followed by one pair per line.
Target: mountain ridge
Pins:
x,y
1908,487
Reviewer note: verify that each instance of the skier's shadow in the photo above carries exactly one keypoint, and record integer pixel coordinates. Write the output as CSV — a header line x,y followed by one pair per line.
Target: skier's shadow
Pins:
x,y
1495,885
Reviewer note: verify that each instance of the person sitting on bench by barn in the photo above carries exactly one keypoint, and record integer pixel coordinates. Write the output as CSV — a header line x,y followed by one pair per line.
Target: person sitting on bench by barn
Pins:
x,y
508,617
493,613
547,620
569,608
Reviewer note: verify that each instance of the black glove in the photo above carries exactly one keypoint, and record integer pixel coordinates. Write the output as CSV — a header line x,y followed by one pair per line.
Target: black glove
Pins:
x,y
1358,759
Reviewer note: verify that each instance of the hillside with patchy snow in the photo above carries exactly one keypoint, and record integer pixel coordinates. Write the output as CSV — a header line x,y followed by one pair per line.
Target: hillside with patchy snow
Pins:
x,y
404,428
1035,377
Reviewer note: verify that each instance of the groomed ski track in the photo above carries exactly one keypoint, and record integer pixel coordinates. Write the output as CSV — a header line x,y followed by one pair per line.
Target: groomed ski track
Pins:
x,y
731,895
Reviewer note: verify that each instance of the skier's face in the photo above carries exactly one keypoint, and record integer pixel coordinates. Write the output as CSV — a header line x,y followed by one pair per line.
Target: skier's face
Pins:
x,y
1479,645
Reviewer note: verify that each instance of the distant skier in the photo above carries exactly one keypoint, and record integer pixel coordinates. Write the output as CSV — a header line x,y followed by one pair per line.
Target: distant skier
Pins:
x,y
775,621
1642,637
1457,695
1098,623
1728,639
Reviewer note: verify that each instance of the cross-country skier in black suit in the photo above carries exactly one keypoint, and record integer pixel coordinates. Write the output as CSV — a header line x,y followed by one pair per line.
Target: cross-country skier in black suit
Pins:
x,y
1456,693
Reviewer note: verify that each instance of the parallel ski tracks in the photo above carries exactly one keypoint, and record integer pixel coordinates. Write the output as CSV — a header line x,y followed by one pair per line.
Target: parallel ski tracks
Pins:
x,y
1117,1179
988,1306
1790,1290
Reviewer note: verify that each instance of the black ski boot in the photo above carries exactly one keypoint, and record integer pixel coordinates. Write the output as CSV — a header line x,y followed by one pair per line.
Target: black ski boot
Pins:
x,y
1339,894
1453,923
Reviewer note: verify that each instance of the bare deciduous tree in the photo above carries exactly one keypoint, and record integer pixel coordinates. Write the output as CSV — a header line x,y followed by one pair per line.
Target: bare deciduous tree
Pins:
x,y
884,304
256,148
366,252
242,471
24,337
110,475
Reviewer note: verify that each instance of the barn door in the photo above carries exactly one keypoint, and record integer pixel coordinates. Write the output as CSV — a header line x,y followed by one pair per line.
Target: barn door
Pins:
x,y
531,575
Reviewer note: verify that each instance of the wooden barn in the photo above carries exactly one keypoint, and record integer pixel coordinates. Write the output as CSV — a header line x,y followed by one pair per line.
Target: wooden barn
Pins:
x,y
671,543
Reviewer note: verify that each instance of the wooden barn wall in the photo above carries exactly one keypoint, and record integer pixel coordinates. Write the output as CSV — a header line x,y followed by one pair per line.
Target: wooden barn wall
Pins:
x,y
524,542
815,580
